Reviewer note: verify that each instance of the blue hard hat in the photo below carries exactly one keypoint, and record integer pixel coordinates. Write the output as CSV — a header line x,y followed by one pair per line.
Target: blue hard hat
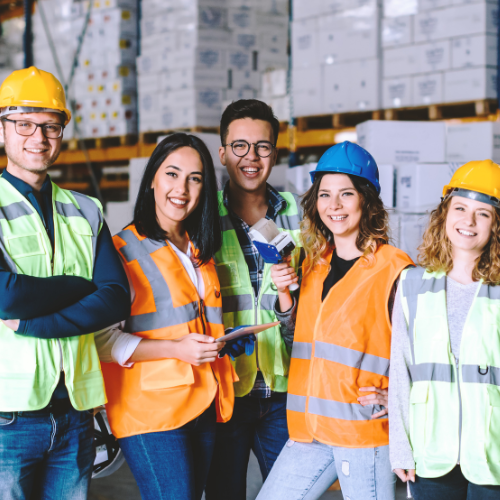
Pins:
x,y
349,158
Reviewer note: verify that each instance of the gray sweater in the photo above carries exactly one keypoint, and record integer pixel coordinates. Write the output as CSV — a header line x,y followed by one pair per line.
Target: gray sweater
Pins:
x,y
458,302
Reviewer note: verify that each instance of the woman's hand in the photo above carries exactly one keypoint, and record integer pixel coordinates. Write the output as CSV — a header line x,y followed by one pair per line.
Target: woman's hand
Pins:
x,y
196,349
283,275
381,397
405,474
13,324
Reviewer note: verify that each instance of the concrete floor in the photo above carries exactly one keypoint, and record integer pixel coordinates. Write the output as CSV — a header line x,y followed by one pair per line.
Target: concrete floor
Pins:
x,y
122,486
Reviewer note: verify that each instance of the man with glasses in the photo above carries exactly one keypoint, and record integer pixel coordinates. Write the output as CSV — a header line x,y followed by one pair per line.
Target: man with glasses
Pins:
x,y
249,132
60,281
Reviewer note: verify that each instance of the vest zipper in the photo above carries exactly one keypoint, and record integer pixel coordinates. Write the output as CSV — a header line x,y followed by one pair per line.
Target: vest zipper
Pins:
x,y
202,313
256,305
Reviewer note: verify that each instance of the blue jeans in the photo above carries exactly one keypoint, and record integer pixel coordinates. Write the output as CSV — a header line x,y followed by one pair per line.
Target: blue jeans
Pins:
x,y
46,456
307,470
452,485
258,424
173,465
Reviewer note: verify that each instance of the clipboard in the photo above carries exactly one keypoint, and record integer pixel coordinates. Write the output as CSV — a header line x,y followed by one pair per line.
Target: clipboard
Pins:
x,y
240,331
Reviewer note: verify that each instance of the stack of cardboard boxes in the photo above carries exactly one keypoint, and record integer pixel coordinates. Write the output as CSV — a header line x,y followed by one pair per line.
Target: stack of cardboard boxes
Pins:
x,y
11,47
103,89
335,56
196,54
438,51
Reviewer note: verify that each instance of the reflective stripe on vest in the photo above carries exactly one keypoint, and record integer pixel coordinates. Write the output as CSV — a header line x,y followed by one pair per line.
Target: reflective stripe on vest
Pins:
x,y
351,355
240,307
165,394
30,367
439,403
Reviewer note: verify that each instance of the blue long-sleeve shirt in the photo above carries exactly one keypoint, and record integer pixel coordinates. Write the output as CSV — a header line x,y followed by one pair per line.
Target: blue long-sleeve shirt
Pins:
x,y
64,306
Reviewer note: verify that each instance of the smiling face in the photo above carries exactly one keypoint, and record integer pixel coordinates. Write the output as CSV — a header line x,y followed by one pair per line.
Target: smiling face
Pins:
x,y
469,224
250,172
177,187
34,153
339,205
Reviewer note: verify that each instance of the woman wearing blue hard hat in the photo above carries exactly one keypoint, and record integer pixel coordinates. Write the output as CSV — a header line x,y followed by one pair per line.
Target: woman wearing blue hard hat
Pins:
x,y
337,392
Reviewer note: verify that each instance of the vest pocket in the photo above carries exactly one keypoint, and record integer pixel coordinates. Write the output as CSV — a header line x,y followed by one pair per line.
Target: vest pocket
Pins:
x,y
418,416
165,374
27,245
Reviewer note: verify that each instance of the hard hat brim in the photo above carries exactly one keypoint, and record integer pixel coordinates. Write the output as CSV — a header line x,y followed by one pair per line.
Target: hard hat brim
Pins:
x,y
12,110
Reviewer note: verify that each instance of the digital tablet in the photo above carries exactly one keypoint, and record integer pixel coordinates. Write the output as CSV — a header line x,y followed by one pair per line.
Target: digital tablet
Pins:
x,y
239,331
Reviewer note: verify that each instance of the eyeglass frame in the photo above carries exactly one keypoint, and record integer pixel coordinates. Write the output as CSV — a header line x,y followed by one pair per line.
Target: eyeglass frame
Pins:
x,y
250,144
41,125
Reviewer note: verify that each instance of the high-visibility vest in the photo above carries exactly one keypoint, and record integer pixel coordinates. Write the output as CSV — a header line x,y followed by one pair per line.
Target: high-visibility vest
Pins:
x,y
242,307
154,396
442,394
30,368
340,345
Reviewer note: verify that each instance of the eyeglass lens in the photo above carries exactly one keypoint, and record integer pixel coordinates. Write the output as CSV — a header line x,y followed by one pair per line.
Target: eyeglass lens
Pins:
x,y
50,130
263,149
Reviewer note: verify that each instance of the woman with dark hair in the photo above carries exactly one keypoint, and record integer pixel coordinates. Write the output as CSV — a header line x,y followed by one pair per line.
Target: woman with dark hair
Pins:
x,y
166,381
445,358
342,337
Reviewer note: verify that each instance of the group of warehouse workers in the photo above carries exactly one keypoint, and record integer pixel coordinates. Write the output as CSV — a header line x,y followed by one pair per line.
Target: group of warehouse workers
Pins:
x,y
132,321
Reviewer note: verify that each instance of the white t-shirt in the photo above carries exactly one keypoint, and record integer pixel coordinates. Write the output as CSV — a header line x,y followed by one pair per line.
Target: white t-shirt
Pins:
x,y
116,346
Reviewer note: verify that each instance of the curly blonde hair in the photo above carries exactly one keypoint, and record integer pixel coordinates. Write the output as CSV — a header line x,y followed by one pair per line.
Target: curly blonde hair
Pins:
x,y
435,252
317,239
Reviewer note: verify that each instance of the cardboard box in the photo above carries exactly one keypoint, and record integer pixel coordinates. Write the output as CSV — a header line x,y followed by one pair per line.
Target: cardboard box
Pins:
x,y
411,231
397,8
416,59
427,89
470,84
274,83
307,91
386,179
473,51
397,92
397,142
456,21
419,186
348,38
305,50
473,141
399,61
397,31
351,86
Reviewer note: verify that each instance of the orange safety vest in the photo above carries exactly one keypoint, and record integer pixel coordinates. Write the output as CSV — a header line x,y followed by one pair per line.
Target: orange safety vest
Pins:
x,y
340,345
153,396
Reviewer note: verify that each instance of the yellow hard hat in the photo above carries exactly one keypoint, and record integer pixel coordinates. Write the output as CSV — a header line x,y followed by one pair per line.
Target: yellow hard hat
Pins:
x,y
32,90
477,180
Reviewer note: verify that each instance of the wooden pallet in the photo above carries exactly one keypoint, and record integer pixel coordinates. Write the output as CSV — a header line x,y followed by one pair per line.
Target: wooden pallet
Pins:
x,y
101,142
152,137
471,109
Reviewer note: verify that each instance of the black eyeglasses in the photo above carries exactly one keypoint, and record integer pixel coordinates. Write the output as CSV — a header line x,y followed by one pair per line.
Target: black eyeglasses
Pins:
x,y
49,130
240,148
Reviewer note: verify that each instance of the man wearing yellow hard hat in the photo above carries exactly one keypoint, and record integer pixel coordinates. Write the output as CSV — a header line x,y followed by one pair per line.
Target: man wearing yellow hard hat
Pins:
x,y
60,281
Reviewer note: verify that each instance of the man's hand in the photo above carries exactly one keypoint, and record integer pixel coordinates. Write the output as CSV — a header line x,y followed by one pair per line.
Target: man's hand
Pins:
x,y
381,397
13,324
283,275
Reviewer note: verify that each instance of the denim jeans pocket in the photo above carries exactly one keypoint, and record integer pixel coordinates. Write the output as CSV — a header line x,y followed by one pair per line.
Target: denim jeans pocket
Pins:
x,y
7,418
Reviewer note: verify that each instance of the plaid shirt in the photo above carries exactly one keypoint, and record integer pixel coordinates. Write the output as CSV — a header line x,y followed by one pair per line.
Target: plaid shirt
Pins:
x,y
254,261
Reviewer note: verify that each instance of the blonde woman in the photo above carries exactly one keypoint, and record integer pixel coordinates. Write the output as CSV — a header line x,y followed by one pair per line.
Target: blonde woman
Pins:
x,y
342,337
445,362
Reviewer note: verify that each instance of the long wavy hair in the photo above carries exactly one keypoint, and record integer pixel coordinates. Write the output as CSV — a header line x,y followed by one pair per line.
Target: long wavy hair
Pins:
x,y
317,239
435,251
